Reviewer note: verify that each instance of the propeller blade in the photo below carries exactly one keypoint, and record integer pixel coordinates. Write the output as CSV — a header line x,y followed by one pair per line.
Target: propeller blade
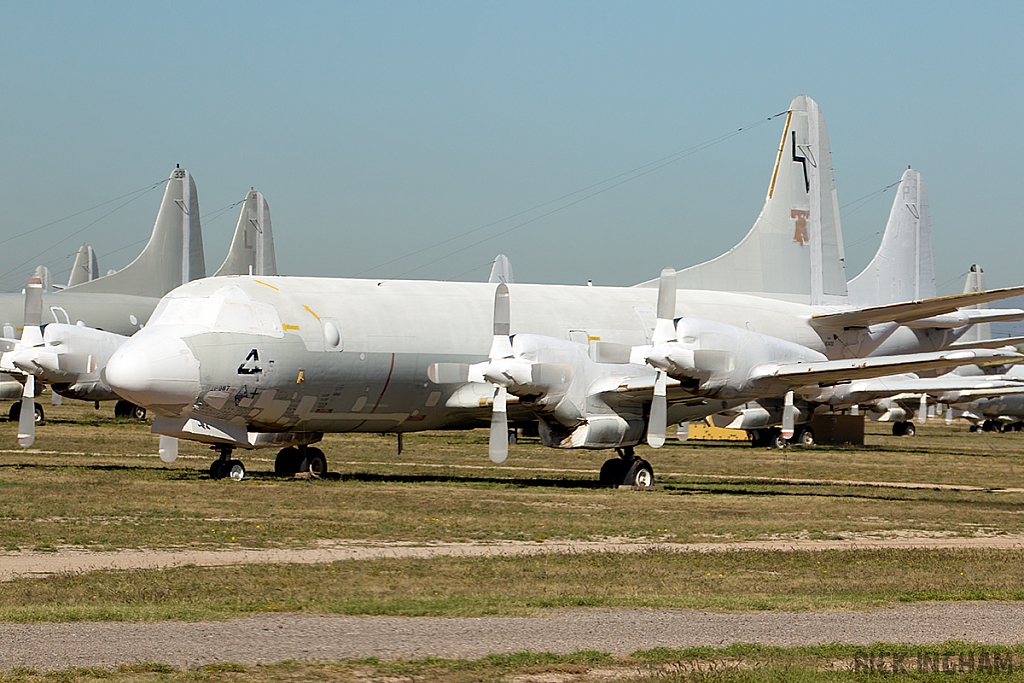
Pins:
x,y
949,415
664,328
498,447
922,411
659,412
168,448
502,315
55,398
27,418
789,417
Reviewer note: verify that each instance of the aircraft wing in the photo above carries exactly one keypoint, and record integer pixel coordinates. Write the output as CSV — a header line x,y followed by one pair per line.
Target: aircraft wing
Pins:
x,y
834,371
907,384
961,395
908,311
996,343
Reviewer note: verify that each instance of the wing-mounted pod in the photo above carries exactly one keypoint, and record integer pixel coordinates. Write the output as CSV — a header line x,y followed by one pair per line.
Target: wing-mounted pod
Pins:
x,y
252,246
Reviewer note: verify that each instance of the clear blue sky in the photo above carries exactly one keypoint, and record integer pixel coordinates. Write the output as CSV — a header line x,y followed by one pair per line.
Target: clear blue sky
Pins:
x,y
378,129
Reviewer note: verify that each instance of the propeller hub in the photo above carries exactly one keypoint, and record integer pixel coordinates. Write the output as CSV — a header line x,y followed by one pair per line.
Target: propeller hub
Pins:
x,y
157,370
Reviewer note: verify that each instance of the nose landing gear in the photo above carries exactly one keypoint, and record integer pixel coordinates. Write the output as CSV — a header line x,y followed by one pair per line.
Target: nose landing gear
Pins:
x,y
224,467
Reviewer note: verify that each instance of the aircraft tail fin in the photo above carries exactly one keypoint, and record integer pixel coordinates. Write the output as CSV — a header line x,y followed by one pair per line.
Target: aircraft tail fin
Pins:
x,y
903,268
252,247
501,270
174,253
86,267
976,283
794,251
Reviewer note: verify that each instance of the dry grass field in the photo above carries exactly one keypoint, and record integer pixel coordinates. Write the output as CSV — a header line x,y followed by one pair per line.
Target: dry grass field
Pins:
x,y
94,483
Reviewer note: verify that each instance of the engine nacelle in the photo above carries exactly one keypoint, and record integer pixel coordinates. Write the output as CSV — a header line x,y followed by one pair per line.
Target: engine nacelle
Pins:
x,y
598,431
716,360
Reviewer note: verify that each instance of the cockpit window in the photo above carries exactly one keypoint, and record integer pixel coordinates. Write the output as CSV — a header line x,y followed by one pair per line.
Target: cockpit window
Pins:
x,y
229,309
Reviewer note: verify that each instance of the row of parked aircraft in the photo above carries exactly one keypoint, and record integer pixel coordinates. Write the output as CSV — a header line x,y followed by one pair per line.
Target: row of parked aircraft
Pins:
x,y
766,334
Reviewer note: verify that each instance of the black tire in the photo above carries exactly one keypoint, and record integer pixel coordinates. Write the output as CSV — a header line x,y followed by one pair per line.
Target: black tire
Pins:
x,y
777,440
613,472
287,462
512,437
14,414
897,428
640,474
40,417
138,413
909,429
123,408
315,462
758,437
804,437
218,469
974,428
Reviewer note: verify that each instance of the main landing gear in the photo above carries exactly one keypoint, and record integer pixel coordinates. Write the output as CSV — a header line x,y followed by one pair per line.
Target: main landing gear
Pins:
x,y
294,459
627,470
224,467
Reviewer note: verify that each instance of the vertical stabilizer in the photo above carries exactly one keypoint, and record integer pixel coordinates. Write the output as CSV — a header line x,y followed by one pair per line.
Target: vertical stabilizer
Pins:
x,y
174,253
43,273
252,247
795,249
903,269
976,283
86,268
501,270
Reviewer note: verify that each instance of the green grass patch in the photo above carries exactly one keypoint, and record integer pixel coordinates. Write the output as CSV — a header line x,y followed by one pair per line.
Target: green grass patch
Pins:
x,y
480,586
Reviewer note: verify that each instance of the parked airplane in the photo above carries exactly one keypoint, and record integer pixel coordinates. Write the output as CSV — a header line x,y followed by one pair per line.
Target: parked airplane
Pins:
x,y
901,270
253,362
70,358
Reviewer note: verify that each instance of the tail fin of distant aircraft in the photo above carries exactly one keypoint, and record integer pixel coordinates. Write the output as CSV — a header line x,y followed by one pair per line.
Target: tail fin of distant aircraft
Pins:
x,y
795,249
976,283
501,270
903,269
86,267
43,273
174,253
252,247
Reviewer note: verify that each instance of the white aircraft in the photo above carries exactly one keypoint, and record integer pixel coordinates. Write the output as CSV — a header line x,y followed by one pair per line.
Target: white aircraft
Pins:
x,y
70,358
256,362
901,270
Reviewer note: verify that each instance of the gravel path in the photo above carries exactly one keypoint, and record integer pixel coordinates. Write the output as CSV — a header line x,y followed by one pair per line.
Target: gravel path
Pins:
x,y
272,638
15,565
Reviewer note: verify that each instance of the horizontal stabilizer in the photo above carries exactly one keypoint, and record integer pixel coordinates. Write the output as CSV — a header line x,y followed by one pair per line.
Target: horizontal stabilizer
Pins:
x,y
833,371
909,311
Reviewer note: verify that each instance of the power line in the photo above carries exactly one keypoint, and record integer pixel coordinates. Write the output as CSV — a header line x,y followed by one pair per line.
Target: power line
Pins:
x,y
625,176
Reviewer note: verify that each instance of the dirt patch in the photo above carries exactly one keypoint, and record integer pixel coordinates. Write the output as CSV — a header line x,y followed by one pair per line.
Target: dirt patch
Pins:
x,y
15,565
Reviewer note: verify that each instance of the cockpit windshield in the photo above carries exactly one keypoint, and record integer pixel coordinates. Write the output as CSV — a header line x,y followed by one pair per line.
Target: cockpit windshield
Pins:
x,y
229,309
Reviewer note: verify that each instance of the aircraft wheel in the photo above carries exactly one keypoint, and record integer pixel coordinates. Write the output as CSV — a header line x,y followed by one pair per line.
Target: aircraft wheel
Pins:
x,y
315,462
805,437
235,470
989,426
15,412
512,437
613,471
757,437
288,461
777,440
138,413
217,470
974,428
909,429
640,474
897,428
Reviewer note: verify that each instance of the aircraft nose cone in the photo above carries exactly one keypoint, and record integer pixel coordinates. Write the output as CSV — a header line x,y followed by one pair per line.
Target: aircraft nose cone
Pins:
x,y
155,370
